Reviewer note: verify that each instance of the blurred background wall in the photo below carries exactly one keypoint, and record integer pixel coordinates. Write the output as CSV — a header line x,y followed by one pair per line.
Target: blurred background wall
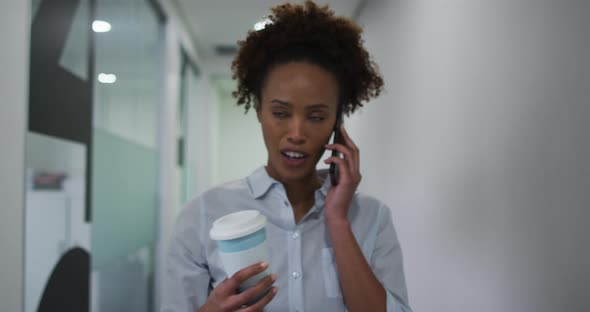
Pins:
x,y
14,61
479,144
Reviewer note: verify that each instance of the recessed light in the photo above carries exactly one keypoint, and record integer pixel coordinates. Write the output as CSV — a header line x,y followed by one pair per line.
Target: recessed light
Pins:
x,y
262,23
107,78
101,26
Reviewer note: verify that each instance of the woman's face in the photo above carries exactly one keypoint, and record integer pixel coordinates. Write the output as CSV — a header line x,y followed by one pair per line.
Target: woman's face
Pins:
x,y
297,113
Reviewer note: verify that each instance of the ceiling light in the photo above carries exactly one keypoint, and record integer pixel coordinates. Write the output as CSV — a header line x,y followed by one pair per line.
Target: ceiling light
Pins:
x,y
107,78
262,23
101,26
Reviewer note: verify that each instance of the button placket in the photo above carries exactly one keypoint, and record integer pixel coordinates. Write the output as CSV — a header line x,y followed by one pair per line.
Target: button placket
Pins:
x,y
296,269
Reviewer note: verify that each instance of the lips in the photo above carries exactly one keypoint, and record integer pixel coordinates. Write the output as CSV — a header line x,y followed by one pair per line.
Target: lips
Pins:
x,y
293,154
293,158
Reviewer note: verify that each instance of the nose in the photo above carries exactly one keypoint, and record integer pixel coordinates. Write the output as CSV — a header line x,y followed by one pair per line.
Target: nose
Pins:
x,y
296,132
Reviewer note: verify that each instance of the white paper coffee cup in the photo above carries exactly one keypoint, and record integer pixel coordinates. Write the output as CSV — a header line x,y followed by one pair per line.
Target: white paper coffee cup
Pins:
x,y
241,239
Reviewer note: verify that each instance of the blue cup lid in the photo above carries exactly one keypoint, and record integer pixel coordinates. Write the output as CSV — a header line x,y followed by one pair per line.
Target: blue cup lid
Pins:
x,y
237,224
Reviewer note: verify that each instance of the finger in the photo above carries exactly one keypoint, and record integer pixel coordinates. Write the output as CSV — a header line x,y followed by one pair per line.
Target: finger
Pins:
x,y
260,304
352,146
242,275
348,154
224,288
340,148
343,167
255,291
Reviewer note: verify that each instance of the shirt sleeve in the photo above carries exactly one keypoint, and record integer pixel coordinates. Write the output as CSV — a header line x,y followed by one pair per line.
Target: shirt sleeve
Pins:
x,y
387,263
186,277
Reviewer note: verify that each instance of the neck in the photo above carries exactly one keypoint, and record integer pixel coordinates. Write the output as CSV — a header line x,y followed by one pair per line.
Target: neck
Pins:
x,y
300,191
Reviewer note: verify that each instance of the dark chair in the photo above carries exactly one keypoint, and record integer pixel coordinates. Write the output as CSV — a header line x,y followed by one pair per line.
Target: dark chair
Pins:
x,y
68,288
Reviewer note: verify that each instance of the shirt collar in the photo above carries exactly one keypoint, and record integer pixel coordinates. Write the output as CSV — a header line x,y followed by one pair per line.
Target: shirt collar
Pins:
x,y
260,182
323,174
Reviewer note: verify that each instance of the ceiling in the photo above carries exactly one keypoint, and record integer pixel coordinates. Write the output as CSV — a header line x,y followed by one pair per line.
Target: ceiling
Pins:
x,y
224,22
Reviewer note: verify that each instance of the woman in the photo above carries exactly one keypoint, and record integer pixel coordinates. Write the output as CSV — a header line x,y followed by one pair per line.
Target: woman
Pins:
x,y
332,248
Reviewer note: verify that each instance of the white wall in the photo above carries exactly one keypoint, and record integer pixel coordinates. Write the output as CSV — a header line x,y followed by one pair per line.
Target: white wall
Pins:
x,y
199,133
167,142
14,60
480,147
175,36
224,144
238,147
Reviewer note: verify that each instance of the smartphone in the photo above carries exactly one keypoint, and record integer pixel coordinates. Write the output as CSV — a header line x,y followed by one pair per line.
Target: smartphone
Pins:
x,y
334,172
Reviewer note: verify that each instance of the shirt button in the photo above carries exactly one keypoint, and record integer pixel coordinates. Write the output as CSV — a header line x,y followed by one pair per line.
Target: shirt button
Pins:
x,y
295,235
296,274
286,203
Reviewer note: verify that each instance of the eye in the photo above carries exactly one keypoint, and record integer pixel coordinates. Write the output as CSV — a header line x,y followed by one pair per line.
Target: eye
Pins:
x,y
316,118
280,114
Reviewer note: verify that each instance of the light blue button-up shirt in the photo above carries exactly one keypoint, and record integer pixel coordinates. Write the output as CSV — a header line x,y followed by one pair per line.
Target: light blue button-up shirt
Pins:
x,y
300,254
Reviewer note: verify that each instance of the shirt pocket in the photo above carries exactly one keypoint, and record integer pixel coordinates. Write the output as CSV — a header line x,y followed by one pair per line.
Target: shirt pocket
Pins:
x,y
331,281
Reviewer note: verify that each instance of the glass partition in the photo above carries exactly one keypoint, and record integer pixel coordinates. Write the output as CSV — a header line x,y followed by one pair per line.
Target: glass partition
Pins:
x,y
125,155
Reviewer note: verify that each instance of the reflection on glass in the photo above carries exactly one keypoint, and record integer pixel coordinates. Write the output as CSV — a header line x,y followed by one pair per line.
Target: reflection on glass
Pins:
x,y
34,8
128,107
74,57
101,26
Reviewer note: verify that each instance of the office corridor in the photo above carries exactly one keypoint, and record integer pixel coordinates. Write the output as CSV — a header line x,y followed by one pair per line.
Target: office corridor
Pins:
x,y
115,114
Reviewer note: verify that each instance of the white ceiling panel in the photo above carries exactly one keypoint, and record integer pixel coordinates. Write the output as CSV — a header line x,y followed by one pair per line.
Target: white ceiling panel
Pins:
x,y
224,22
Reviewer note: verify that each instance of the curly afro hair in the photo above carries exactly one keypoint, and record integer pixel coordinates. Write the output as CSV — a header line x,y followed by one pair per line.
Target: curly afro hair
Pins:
x,y
306,32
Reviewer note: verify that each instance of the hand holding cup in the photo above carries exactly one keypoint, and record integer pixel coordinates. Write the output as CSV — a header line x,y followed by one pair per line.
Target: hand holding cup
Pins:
x,y
225,296
243,250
